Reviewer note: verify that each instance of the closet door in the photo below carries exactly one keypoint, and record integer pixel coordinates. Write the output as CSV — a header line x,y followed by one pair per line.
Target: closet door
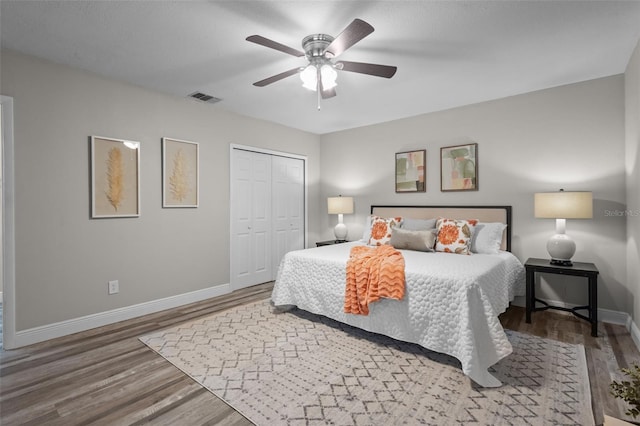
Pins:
x,y
288,207
251,243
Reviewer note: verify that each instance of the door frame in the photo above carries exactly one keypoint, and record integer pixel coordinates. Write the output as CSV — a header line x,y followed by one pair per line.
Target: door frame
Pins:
x,y
232,199
7,284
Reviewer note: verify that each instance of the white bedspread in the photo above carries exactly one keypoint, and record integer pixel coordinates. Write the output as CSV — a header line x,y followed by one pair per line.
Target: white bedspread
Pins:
x,y
451,302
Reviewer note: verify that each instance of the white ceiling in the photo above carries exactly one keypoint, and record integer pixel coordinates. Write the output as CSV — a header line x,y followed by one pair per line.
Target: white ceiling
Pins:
x,y
448,53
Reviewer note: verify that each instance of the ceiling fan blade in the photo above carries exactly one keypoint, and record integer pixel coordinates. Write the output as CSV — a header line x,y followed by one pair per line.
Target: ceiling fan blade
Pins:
x,y
385,71
329,93
355,31
276,77
325,93
274,45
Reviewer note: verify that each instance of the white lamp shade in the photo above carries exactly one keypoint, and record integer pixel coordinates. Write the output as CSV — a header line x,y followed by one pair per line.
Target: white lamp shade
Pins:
x,y
325,72
340,205
309,77
328,76
563,205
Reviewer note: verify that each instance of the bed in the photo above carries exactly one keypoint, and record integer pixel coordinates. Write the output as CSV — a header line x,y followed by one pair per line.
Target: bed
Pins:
x,y
451,302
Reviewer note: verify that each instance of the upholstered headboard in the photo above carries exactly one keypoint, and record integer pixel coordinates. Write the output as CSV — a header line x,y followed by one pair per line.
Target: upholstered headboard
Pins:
x,y
482,213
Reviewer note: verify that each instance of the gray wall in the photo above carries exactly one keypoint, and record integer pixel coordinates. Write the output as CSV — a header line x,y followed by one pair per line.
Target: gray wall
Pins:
x,y
63,258
632,125
569,137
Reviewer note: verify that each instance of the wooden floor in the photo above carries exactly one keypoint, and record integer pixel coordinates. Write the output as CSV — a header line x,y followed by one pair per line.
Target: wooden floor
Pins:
x,y
107,376
606,354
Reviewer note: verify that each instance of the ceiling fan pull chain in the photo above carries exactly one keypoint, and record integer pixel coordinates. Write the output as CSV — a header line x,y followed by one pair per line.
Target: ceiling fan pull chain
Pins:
x,y
319,88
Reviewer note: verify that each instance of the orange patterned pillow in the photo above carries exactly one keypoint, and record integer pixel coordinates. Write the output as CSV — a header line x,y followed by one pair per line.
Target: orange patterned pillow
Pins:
x,y
454,235
381,229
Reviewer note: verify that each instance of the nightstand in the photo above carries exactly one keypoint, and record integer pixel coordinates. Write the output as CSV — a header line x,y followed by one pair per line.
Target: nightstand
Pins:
x,y
587,270
330,242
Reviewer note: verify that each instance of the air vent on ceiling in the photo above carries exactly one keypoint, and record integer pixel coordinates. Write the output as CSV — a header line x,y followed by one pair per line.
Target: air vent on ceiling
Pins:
x,y
203,97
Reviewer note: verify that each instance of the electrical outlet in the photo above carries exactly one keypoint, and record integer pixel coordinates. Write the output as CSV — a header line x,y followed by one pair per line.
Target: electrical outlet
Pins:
x,y
114,287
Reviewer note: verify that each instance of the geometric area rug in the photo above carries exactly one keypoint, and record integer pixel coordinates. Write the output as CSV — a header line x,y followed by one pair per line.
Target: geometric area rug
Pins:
x,y
294,367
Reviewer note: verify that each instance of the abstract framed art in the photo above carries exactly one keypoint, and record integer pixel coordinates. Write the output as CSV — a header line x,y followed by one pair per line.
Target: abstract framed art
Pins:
x,y
115,178
180,170
411,171
459,168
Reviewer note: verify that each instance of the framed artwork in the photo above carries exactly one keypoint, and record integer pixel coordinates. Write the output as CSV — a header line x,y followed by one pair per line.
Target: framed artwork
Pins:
x,y
115,178
459,168
411,171
180,169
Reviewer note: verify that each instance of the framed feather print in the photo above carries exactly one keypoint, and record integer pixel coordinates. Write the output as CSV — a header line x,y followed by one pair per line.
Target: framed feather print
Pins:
x,y
180,170
115,178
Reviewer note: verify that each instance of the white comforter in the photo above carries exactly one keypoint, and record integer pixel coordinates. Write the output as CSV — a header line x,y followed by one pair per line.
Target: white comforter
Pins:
x,y
451,302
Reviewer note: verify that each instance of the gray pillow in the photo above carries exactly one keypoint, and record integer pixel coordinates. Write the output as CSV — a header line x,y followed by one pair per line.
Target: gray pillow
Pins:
x,y
404,239
418,224
487,238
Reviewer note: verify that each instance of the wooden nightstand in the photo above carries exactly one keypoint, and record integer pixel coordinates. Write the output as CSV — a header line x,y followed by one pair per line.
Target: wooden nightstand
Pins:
x,y
579,269
330,242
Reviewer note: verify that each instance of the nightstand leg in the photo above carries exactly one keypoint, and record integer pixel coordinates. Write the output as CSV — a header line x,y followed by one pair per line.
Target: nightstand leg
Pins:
x,y
530,294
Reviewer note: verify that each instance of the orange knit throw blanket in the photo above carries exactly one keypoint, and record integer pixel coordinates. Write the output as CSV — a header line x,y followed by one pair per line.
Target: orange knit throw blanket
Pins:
x,y
373,273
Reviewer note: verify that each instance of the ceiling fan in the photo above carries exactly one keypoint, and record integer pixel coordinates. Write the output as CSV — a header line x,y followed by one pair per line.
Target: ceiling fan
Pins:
x,y
321,50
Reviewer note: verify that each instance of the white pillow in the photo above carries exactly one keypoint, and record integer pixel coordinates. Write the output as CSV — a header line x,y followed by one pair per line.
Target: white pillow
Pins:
x,y
418,224
454,235
366,234
404,239
487,238
381,228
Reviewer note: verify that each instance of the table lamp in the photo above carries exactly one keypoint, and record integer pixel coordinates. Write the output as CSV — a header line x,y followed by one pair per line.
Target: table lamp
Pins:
x,y
340,206
562,205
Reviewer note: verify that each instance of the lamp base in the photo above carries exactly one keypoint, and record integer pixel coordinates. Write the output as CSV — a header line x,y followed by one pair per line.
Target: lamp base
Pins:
x,y
560,262
561,249
340,231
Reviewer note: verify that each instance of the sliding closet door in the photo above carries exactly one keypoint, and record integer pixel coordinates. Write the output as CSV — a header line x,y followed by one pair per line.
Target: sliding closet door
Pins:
x,y
288,206
251,242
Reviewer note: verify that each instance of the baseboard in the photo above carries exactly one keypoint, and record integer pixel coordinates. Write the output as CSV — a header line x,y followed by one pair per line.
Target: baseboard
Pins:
x,y
76,325
615,317
604,315
635,333
64,328
519,301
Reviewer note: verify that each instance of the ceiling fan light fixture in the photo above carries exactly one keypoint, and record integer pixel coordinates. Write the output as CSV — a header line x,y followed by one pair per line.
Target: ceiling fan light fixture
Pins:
x,y
328,75
309,77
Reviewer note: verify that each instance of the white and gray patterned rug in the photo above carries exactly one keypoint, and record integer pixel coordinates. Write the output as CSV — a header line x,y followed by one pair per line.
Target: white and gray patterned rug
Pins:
x,y
295,368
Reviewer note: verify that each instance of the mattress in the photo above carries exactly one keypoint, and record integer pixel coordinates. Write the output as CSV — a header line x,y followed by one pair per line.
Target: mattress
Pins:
x,y
451,303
